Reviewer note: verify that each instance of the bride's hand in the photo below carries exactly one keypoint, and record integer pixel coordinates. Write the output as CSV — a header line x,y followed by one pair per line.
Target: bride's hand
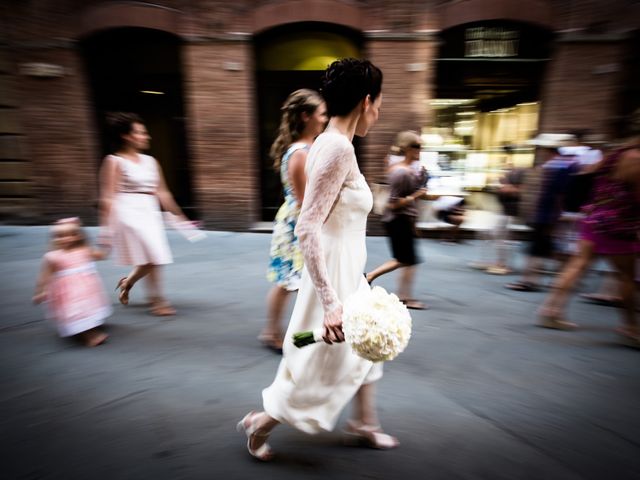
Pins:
x,y
333,326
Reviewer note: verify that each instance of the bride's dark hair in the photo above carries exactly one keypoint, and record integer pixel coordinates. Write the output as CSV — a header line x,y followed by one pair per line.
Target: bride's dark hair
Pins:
x,y
346,82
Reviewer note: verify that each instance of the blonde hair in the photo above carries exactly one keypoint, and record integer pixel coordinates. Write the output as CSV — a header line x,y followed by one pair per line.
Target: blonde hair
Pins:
x,y
73,221
403,141
291,123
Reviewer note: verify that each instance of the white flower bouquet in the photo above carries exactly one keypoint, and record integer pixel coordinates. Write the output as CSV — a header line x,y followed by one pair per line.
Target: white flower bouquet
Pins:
x,y
375,323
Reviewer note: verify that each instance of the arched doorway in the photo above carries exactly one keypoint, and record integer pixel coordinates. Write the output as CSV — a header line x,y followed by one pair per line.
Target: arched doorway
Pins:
x,y
628,120
140,70
288,58
487,91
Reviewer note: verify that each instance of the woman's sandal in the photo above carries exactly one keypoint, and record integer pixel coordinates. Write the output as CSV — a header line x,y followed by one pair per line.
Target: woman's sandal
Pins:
x,y
272,342
371,436
548,318
522,286
248,426
123,296
602,299
161,308
414,304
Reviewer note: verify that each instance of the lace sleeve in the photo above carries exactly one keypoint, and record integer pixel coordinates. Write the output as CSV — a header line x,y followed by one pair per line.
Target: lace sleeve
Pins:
x,y
328,173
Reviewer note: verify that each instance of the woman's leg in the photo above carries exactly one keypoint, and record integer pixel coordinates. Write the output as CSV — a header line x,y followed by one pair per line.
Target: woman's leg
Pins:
x,y
138,272
397,231
365,424
626,267
154,287
386,267
276,304
364,406
160,306
126,283
502,241
575,268
406,282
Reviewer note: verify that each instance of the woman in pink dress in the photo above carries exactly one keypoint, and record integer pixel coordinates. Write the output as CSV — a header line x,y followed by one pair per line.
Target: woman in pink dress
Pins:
x,y
133,190
610,227
70,285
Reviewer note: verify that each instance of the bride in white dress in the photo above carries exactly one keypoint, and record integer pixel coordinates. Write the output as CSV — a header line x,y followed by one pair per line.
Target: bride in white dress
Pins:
x,y
313,384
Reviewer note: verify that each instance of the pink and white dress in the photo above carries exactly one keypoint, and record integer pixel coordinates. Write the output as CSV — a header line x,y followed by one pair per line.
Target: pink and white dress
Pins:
x,y
139,237
76,299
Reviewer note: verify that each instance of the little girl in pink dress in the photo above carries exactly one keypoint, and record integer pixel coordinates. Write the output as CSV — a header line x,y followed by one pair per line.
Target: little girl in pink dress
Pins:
x,y
70,286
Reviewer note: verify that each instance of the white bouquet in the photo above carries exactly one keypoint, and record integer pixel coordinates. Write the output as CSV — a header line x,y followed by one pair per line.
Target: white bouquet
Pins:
x,y
375,323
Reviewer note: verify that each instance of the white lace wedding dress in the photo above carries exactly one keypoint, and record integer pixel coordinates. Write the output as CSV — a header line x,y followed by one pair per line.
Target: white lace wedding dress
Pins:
x,y
314,383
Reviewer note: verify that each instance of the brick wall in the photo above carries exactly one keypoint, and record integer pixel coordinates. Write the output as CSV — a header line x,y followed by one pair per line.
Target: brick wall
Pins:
x,y
408,69
581,86
222,134
48,141
57,127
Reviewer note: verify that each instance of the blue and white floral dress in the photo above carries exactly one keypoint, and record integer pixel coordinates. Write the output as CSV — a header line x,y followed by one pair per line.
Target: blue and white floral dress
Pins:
x,y
286,262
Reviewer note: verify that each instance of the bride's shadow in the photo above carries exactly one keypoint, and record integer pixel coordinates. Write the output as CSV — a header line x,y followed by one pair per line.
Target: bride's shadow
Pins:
x,y
313,453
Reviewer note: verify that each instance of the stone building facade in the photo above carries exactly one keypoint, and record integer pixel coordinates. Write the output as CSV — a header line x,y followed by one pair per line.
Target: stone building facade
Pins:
x,y
50,131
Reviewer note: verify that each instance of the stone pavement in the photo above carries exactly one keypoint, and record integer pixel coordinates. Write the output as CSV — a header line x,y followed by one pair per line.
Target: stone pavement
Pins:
x,y
480,393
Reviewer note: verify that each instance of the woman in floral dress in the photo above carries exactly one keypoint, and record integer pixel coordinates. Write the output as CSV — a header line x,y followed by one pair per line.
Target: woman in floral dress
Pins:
x,y
304,116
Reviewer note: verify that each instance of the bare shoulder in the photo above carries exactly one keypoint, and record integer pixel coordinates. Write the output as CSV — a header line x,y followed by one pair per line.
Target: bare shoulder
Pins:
x,y
299,155
52,257
111,165
110,159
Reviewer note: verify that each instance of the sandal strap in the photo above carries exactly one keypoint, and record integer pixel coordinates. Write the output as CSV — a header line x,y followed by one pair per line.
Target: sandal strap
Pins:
x,y
373,434
262,452
251,430
384,440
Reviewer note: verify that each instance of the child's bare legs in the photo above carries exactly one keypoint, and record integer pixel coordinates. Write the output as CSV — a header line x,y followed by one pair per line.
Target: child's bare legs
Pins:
x,y
93,337
626,266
